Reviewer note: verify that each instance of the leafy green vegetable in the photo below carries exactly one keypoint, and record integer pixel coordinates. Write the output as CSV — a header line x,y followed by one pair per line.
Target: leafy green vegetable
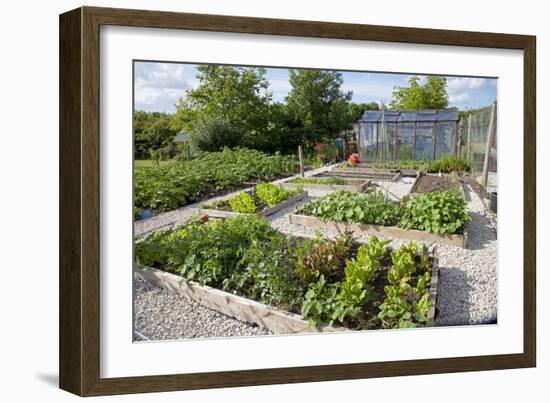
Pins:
x,y
353,207
360,272
407,305
243,203
272,194
438,212
263,195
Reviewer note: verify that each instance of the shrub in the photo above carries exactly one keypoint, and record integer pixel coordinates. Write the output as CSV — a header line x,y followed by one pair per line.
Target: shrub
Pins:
x,y
450,164
438,212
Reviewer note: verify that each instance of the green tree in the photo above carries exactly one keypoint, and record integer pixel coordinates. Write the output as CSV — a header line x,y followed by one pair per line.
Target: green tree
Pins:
x,y
318,102
236,94
356,110
431,95
213,133
152,131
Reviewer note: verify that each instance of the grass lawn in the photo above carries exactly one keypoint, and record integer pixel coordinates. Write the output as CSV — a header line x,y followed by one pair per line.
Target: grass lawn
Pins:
x,y
150,163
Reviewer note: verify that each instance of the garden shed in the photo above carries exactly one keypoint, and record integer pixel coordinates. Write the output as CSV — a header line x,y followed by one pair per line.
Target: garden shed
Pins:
x,y
403,135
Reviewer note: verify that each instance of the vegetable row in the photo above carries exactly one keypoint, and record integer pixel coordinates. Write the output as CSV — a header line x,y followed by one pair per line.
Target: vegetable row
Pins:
x,y
182,182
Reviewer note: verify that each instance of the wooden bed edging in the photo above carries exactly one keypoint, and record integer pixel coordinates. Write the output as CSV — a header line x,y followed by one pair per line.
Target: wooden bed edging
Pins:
x,y
264,213
317,186
358,173
458,240
232,305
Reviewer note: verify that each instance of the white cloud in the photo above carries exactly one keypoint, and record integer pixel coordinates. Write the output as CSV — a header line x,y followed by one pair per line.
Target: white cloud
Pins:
x,y
468,91
158,86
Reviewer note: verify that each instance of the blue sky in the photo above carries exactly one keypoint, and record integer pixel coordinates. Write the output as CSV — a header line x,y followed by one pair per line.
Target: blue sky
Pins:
x,y
158,86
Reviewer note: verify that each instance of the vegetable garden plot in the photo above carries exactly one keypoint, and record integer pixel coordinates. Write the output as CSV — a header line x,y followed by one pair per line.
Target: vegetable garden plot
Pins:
x,y
265,199
433,217
243,267
427,183
324,182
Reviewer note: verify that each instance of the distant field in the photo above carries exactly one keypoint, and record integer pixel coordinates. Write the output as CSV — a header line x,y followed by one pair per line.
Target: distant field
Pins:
x,y
150,163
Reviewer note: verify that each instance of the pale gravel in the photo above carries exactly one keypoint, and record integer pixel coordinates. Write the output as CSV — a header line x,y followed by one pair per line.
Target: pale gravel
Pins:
x,y
467,292
162,315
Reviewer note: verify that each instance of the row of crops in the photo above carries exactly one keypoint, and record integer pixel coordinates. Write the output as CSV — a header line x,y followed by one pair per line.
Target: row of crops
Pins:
x,y
182,182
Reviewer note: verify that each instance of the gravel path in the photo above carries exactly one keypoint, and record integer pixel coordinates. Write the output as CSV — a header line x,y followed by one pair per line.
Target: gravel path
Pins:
x,y
161,315
467,292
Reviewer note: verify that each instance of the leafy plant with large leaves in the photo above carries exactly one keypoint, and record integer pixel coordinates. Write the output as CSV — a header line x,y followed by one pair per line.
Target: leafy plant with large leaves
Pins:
x,y
353,207
442,212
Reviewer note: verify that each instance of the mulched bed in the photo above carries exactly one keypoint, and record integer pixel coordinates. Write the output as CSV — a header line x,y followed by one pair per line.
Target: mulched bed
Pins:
x,y
431,183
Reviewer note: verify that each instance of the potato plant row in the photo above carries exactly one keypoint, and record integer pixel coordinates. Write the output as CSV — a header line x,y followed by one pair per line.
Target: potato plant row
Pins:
x,y
182,182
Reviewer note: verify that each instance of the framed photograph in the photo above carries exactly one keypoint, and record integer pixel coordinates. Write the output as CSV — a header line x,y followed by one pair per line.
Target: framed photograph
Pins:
x,y
248,201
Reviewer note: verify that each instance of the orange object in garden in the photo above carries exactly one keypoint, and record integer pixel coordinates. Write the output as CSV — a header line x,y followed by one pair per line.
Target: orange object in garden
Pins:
x,y
353,159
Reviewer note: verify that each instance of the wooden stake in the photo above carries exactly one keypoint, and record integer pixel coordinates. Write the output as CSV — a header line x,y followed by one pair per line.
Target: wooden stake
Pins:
x,y
301,158
490,135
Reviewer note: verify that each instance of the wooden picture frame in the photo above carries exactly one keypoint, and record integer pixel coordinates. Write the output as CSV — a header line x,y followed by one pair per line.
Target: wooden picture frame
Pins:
x,y
79,317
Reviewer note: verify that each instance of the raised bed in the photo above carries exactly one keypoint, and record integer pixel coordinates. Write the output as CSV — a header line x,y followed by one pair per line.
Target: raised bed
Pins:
x,y
247,310
264,213
426,183
458,240
353,185
232,305
388,175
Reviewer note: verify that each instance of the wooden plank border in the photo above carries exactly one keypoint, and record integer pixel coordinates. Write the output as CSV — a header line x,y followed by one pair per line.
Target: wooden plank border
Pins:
x,y
318,186
241,308
458,240
264,213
